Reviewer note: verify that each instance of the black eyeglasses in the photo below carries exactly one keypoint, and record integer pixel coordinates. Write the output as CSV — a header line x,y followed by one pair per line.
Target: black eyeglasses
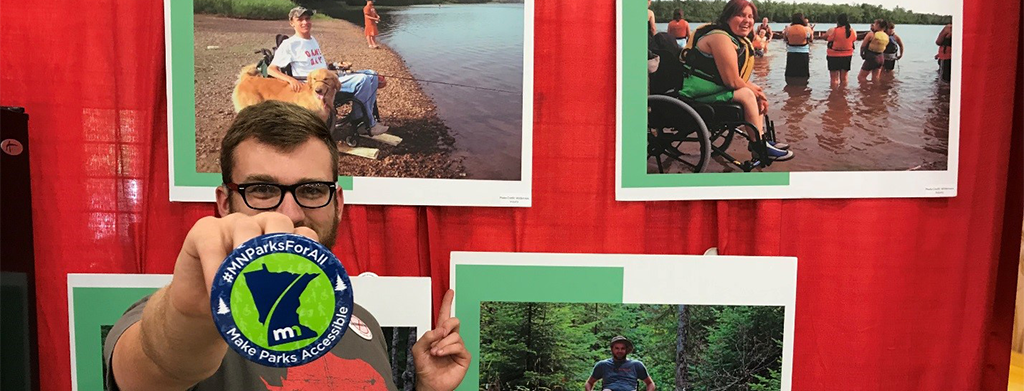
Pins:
x,y
268,196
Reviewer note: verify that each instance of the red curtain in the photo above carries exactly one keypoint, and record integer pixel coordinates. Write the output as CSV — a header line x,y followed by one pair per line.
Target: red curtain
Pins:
x,y
893,294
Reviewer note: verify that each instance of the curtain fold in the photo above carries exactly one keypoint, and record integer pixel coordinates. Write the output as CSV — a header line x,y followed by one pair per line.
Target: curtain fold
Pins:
x,y
900,294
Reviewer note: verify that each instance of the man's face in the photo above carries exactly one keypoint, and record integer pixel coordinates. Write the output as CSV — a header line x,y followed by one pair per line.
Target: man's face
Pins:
x,y
256,162
302,25
619,350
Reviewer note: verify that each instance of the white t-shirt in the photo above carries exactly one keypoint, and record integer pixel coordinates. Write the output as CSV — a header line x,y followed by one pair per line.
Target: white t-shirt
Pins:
x,y
304,55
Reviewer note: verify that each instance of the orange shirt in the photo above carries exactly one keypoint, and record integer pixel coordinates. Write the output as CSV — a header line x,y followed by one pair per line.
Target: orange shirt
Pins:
x,y
839,44
680,29
797,35
370,25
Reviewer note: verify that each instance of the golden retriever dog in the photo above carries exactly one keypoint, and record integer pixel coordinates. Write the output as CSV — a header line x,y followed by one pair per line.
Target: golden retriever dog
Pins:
x,y
317,94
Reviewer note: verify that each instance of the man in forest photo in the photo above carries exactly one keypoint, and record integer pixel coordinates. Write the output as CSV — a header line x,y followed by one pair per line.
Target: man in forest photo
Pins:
x,y
619,373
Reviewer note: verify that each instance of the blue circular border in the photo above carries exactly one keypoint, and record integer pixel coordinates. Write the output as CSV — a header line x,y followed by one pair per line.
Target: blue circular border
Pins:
x,y
222,290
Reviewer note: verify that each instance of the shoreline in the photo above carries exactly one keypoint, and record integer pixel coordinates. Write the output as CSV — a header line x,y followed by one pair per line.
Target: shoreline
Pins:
x,y
427,148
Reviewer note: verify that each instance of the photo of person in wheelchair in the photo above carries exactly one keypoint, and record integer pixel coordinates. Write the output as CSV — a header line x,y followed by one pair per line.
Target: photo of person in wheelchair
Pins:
x,y
300,54
706,97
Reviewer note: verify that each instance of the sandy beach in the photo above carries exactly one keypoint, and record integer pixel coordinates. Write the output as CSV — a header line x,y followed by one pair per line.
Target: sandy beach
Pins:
x,y
224,45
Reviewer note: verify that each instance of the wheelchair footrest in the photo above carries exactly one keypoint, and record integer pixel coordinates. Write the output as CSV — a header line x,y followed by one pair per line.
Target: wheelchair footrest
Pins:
x,y
385,138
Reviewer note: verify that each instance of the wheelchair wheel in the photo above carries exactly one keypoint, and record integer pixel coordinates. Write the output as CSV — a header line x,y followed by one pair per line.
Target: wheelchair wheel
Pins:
x,y
722,138
677,132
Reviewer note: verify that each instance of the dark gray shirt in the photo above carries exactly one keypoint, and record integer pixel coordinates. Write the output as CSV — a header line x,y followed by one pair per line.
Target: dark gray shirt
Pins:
x,y
356,363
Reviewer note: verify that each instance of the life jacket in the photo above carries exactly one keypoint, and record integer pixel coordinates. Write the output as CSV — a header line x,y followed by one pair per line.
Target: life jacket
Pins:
x,y
892,47
946,49
703,66
839,44
879,43
791,37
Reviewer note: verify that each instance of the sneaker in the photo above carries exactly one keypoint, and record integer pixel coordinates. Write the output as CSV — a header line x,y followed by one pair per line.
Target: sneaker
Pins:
x,y
779,145
777,154
379,129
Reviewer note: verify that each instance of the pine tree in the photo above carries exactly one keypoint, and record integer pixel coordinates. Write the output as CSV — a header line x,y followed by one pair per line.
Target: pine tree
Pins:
x,y
222,308
339,285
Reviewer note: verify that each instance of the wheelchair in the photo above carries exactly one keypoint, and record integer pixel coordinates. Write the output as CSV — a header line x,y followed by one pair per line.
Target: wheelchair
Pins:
x,y
344,126
690,132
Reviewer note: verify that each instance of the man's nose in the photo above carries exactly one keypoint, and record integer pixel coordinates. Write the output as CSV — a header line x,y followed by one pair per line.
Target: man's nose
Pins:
x,y
292,209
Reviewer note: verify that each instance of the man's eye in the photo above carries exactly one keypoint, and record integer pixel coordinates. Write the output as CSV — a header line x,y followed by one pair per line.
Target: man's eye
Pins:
x,y
263,191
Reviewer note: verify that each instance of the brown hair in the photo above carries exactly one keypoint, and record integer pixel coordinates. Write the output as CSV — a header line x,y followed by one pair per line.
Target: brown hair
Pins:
x,y
733,8
281,125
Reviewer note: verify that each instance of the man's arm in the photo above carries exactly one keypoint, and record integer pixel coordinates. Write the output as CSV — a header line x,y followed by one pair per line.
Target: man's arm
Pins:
x,y
176,344
650,383
275,72
589,386
166,350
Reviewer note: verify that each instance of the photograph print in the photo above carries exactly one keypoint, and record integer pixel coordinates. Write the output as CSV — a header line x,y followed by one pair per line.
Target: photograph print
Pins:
x,y
429,102
766,99
599,346
546,321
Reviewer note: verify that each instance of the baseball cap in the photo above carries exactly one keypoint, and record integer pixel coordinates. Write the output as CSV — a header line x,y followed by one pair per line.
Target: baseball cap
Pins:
x,y
299,11
619,338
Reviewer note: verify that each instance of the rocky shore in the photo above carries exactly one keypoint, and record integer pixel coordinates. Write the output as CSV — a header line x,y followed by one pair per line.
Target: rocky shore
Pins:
x,y
224,45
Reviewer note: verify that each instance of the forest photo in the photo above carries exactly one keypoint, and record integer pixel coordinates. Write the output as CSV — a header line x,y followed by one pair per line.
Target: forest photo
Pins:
x,y
554,346
399,341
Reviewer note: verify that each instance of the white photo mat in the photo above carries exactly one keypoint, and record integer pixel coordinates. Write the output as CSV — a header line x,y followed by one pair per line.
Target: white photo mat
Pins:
x,y
645,279
393,301
188,185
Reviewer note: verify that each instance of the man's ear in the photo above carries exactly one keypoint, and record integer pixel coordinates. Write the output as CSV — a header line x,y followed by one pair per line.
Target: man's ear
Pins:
x,y
222,201
339,200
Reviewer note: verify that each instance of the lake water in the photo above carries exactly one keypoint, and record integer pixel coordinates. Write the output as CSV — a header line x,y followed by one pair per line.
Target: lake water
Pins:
x,y
901,123
473,45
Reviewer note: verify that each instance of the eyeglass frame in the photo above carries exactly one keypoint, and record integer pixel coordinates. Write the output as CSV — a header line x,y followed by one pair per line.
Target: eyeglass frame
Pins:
x,y
240,188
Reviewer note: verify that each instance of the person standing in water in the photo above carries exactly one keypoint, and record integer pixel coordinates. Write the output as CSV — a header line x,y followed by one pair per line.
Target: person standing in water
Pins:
x,y
840,50
893,51
759,43
370,20
871,51
767,31
678,28
945,56
798,39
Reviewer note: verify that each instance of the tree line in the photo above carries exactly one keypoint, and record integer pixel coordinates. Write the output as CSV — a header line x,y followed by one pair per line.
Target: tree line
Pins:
x,y
782,12
554,346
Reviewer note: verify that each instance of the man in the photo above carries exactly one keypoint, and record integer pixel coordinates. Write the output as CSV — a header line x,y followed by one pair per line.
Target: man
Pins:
x,y
302,52
619,373
168,341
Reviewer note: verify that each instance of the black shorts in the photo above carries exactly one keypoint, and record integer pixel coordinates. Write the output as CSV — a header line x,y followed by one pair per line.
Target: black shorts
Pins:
x,y
872,61
889,64
947,69
798,65
838,63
